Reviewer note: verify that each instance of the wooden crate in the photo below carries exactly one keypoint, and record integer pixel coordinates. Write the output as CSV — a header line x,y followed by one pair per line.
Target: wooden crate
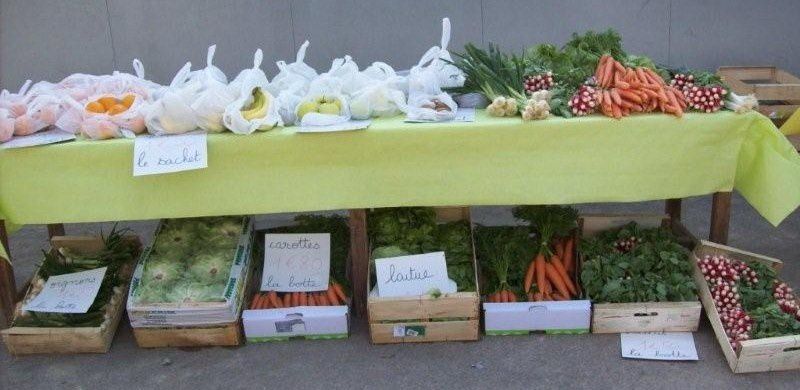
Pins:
x,y
762,355
777,91
207,336
40,340
451,317
641,316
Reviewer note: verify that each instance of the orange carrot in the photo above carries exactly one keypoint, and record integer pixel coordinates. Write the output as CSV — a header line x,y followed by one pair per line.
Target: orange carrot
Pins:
x,y
537,297
556,279
559,266
558,297
559,247
617,113
263,301
337,288
332,297
541,278
273,299
322,299
287,300
608,73
529,275
569,258
615,95
302,299
254,302
511,296
311,300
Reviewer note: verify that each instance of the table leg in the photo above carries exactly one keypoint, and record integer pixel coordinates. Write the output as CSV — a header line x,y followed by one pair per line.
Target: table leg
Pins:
x,y
359,258
8,287
55,229
673,209
720,217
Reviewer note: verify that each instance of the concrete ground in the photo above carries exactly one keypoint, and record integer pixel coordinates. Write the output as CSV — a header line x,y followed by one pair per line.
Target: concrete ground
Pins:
x,y
536,361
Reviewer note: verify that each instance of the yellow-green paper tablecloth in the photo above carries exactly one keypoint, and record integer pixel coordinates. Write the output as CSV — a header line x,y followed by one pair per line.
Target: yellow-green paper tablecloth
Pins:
x,y
493,161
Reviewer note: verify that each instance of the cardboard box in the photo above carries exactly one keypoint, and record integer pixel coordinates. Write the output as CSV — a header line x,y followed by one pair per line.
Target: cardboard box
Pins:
x,y
553,317
304,322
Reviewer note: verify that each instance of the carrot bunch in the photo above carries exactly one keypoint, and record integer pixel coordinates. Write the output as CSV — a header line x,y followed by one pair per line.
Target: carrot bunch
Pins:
x,y
554,275
502,296
333,296
623,90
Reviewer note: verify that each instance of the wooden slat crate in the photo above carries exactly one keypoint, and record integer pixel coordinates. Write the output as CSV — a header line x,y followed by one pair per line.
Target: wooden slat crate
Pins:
x,y
39,340
207,336
451,317
761,355
641,316
777,91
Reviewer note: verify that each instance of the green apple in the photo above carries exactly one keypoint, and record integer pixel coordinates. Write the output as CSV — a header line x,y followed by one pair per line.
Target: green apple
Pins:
x,y
305,108
329,108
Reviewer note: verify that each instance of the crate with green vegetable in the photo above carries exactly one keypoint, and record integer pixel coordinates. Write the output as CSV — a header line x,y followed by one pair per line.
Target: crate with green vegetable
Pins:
x,y
434,316
91,332
637,270
313,315
529,274
754,314
188,288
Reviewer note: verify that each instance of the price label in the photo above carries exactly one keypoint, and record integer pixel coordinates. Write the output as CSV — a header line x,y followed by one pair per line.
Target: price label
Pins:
x,y
404,276
154,155
296,262
69,293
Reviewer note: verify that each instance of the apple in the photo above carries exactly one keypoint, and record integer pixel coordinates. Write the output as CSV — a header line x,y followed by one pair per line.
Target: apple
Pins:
x,y
305,108
329,108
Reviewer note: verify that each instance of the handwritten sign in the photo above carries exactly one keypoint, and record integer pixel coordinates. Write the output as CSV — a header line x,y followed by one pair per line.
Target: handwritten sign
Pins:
x,y
296,262
345,126
658,346
412,275
68,293
40,138
171,153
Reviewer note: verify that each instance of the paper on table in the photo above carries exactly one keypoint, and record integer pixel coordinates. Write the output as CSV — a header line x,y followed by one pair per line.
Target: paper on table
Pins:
x,y
68,293
153,155
462,115
346,126
658,346
296,262
40,138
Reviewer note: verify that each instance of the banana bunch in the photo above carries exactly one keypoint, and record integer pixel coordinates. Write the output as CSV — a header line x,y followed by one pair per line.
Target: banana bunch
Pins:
x,y
258,108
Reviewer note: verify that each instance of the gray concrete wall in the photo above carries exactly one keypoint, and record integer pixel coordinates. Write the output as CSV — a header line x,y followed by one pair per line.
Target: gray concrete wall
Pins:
x,y
49,39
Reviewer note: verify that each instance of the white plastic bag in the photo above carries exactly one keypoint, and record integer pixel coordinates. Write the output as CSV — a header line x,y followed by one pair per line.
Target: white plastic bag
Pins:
x,y
324,104
6,125
290,74
254,109
379,99
172,113
426,100
436,59
209,76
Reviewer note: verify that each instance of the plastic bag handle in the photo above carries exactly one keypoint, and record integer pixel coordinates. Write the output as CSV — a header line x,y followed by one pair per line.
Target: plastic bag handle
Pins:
x,y
429,56
384,67
138,67
257,58
445,33
281,65
24,89
181,76
301,53
71,101
210,55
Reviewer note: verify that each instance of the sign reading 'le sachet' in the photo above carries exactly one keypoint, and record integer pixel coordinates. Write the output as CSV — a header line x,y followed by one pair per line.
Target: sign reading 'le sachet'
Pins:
x,y
153,155
296,262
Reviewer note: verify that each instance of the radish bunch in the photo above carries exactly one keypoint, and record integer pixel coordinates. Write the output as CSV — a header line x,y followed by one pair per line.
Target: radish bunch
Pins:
x,y
786,299
625,245
706,99
584,101
538,82
682,81
722,274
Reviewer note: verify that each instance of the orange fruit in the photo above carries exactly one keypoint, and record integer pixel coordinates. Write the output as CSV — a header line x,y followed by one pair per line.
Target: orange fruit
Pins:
x,y
127,100
116,109
108,101
95,107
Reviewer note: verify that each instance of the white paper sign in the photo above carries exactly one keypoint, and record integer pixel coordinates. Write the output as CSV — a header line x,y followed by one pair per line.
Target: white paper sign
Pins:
x,y
169,153
346,126
465,115
658,346
296,262
40,138
69,293
404,276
